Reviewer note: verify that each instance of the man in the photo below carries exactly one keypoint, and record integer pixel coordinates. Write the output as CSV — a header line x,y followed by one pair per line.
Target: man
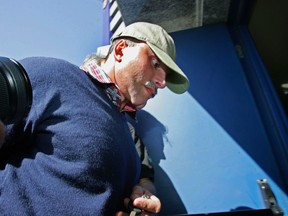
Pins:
x,y
91,62
73,154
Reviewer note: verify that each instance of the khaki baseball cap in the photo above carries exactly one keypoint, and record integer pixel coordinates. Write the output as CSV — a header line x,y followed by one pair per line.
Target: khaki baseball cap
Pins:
x,y
162,44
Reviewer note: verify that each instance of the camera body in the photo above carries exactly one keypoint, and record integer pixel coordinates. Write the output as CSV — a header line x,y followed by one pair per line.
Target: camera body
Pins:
x,y
15,91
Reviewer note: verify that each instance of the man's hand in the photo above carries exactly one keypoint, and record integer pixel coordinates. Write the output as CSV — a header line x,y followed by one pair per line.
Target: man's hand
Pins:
x,y
142,197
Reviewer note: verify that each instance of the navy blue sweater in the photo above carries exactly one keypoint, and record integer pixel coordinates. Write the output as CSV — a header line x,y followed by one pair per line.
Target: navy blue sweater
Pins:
x,y
73,155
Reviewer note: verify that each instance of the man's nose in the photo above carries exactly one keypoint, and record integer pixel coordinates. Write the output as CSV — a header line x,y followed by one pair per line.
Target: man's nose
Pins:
x,y
160,83
160,80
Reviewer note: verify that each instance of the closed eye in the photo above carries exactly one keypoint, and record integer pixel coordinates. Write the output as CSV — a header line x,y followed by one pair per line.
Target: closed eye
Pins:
x,y
156,63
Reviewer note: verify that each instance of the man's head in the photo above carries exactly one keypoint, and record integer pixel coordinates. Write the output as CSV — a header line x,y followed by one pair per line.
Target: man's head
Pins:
x,y
163,46
143,56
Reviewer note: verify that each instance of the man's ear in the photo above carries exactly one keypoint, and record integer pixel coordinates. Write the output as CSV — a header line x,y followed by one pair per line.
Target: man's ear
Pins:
x,y
118,49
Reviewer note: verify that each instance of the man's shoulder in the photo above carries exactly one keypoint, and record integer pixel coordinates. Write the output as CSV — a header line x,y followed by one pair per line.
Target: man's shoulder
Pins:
x,y
45,61
45,67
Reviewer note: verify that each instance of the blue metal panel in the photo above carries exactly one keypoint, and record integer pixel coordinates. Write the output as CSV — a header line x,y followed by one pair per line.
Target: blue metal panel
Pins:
x,y
209,145
270,108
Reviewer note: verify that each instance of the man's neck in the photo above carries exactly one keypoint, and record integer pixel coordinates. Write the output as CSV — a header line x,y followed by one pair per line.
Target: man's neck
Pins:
x,y
108,68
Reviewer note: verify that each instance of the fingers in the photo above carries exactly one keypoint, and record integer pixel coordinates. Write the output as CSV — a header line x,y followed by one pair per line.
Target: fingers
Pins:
x,y
120,213
146,206
138,191
149,203
144,200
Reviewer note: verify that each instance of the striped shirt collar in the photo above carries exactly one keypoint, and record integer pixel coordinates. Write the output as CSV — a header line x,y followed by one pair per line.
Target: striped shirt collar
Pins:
x,y
111,89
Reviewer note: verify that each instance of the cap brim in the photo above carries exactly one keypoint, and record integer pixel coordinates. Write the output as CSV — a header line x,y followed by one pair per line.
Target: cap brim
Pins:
x,y
176,80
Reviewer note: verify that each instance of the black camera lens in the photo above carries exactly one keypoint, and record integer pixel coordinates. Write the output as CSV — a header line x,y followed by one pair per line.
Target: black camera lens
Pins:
x,y
15,91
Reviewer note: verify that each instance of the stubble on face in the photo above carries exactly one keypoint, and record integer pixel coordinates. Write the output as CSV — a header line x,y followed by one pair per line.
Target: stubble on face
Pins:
x,y
134,73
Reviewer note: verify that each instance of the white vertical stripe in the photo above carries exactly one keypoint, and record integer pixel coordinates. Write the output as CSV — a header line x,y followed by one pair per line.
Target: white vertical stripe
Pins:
x,y
199,12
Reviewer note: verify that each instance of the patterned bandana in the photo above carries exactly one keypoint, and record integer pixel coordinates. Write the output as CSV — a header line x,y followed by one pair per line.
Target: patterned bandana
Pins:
x,y
111,88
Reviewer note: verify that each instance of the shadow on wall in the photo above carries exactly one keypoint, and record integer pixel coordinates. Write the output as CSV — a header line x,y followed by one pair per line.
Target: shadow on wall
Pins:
x,y
153,134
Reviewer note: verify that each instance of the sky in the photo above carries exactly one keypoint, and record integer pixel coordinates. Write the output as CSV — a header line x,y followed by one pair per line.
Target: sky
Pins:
x,y
67,29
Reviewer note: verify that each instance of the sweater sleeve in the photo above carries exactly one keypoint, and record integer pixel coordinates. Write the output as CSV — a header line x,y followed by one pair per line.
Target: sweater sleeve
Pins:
x,y
76,155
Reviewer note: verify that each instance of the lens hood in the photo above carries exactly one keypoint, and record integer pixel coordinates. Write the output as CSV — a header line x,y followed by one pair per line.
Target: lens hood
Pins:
x,y
16,91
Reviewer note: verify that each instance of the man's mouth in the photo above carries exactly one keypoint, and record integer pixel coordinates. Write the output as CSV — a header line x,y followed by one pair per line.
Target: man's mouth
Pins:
x,y
152,88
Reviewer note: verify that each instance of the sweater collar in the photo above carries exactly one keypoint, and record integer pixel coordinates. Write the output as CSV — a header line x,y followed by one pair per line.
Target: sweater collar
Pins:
x,y
111,89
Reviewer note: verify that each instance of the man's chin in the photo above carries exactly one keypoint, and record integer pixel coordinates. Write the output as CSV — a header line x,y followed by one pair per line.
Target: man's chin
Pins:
x,y
140,106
